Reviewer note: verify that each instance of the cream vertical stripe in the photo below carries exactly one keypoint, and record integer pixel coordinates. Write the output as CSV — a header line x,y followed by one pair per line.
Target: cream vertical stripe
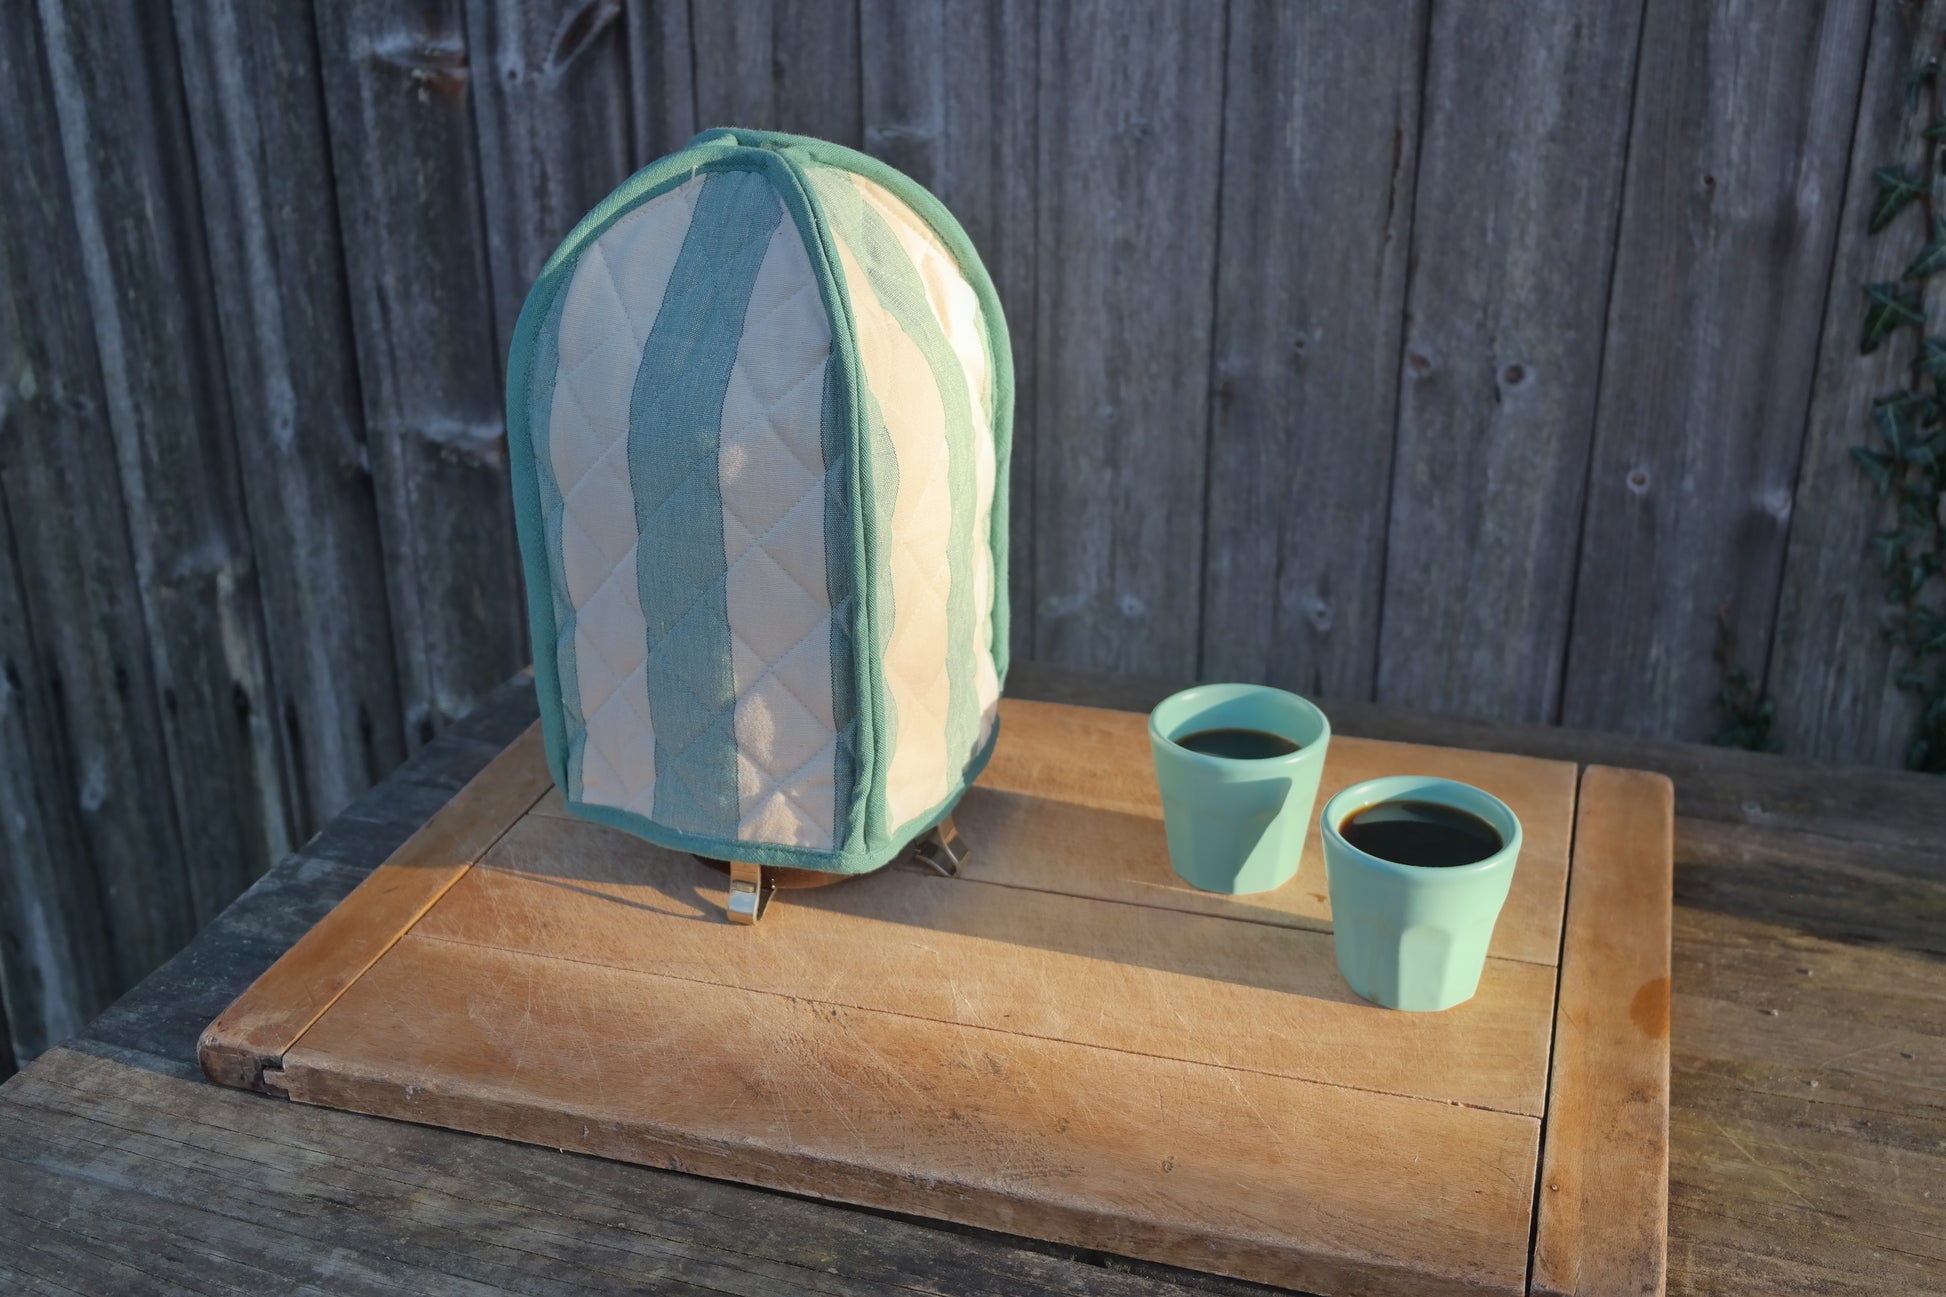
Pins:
x,y
957,308
920,773
612,302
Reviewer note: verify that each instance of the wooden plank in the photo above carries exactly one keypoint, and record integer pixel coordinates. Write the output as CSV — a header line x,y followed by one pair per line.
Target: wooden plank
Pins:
x,y
253,1033
398,93
1320,146
1723,785
144,272
661,78
552,112
1809,1130
1831,607
1082,778
1127,177
390,1207
328,1189
80,703
951,98
1520,171
1133,978
1099,760
1742,119
779,65
1604,1188
55,958
1827,888
256,113
825,1103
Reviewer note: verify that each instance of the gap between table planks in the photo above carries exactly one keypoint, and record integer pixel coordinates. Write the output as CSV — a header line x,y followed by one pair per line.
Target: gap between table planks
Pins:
x,y
894,1041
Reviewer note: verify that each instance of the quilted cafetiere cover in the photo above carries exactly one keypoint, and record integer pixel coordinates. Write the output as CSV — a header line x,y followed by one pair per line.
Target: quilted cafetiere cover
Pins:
x,y
758,409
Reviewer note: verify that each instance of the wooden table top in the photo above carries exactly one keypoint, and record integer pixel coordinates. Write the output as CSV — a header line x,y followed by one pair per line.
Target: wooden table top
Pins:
x,y
1807,1143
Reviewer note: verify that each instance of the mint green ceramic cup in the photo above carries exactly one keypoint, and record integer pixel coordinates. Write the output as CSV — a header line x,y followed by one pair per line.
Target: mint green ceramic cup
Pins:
x,y
1234,825
1408,936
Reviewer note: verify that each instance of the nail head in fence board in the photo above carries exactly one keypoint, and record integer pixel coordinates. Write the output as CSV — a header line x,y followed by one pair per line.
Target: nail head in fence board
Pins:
x,y
1604,1187
1520,169
137,225
1742,116
114,894
1127,175
779,65
1832,607
253,1034
951,98
550,102
398,93
256,112
1307,357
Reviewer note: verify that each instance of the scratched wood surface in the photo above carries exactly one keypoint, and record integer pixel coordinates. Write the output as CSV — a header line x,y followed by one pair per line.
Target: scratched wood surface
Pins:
x,y
1807,1062
1062,1039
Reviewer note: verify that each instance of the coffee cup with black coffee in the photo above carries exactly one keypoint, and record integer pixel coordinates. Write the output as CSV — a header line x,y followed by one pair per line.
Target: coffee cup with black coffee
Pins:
x,y
1419,869
1238,766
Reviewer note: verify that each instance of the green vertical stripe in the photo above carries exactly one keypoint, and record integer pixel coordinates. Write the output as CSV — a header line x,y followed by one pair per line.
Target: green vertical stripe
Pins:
x,y
540,424
896,283
674,436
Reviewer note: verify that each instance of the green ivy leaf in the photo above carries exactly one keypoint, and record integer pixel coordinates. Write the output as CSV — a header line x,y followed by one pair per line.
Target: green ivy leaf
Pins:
x,y
1888,416
1888,307
1877,466
1937,131
1932,258
1889,548
1895,189
1931,361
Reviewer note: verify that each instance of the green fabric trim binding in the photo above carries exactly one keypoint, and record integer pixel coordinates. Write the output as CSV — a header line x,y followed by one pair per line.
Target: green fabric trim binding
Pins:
x,y
900,292
847,422
859,848
840,586
547,363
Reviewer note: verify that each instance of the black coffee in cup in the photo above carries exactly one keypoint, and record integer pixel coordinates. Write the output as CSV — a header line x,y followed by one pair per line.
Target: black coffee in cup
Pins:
x,y
1421,833
1238,744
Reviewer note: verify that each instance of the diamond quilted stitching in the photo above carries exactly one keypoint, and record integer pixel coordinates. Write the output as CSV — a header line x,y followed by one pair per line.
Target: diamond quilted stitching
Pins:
x,y
596,460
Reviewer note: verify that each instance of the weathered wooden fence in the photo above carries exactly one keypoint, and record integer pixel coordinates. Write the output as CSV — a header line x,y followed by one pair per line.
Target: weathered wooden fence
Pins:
x,y
1462,353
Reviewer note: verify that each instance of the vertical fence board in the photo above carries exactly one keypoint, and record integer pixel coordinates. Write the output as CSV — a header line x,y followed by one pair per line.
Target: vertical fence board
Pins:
x,y
950,95
257,118
661,81
1832,610
1514,217
1127,174
779,65
398,90
56,965
125,138
1320,143
97,751
551,104
1736,172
